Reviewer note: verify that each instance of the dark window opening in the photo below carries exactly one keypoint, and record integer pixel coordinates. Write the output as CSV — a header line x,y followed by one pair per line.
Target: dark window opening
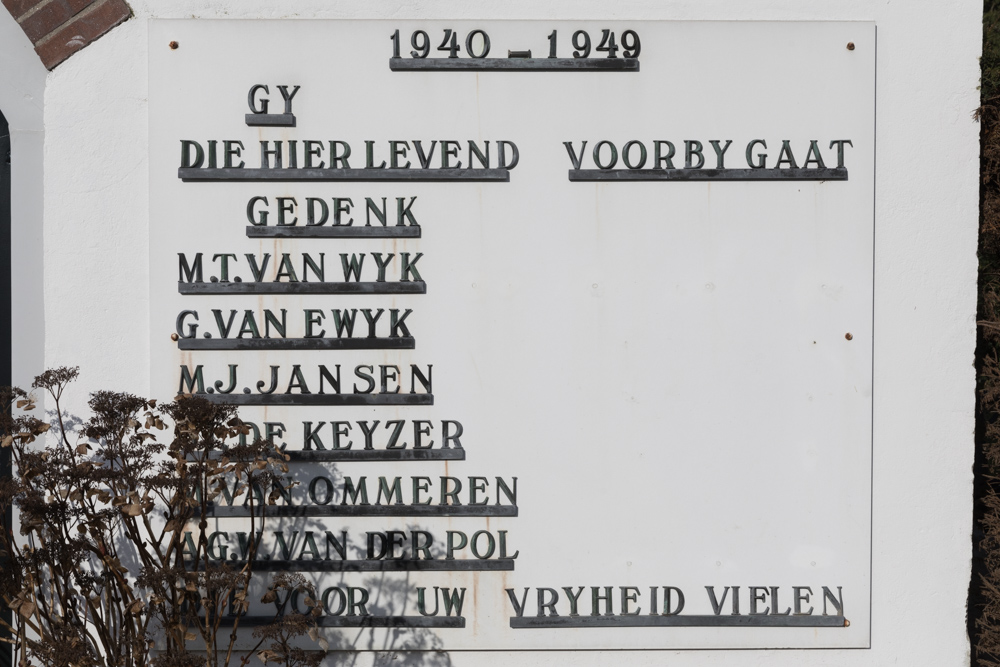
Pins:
x,y
6,650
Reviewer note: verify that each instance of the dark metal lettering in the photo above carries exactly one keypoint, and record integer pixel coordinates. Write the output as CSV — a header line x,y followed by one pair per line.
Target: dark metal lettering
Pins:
x,y
695,621
422,45
659,158
761,161
192,330
189,161
608,43
362,509
720,153
397,149
597,156
692,149
576,159
252,99
839,143
288,97
550,64
755,174
630,44
486,44
398,565
344,232
255,218
626,154
311,149
410,287
193,174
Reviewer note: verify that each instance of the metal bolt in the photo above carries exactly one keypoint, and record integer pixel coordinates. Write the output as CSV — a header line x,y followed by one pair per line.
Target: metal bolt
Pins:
x,y
850,46
849,336
174,45
173,337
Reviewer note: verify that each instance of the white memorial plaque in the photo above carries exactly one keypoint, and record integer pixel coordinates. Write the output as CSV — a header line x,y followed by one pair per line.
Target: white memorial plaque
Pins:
x,y
587,340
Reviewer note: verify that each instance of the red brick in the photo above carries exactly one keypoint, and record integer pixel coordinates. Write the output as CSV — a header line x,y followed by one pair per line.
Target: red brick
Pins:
x,y
19,8
49,17
83,29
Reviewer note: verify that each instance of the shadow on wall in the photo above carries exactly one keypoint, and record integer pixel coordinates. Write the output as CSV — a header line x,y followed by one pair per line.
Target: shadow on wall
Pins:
x,y
155,525
294,544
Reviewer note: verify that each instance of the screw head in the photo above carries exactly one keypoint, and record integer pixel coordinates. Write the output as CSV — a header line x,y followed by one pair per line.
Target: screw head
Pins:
x,y
850,46
849,336
174,337
174,45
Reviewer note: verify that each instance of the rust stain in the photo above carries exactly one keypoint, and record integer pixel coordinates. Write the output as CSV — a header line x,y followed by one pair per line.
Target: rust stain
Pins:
x,y
475,602
277,253
479,119
597,210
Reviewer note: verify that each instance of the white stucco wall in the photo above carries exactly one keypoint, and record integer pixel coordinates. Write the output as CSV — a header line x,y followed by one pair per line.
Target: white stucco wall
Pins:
x,y
22,94
93,295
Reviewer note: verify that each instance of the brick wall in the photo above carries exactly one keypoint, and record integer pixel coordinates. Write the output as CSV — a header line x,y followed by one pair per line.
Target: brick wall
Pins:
x,y
60,28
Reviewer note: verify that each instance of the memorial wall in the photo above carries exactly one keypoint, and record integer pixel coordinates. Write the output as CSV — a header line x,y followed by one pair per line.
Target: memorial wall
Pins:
x,y
579,331
569,346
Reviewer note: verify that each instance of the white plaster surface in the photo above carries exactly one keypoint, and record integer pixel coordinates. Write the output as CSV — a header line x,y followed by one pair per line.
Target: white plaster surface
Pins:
x,y
96,280
22,91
